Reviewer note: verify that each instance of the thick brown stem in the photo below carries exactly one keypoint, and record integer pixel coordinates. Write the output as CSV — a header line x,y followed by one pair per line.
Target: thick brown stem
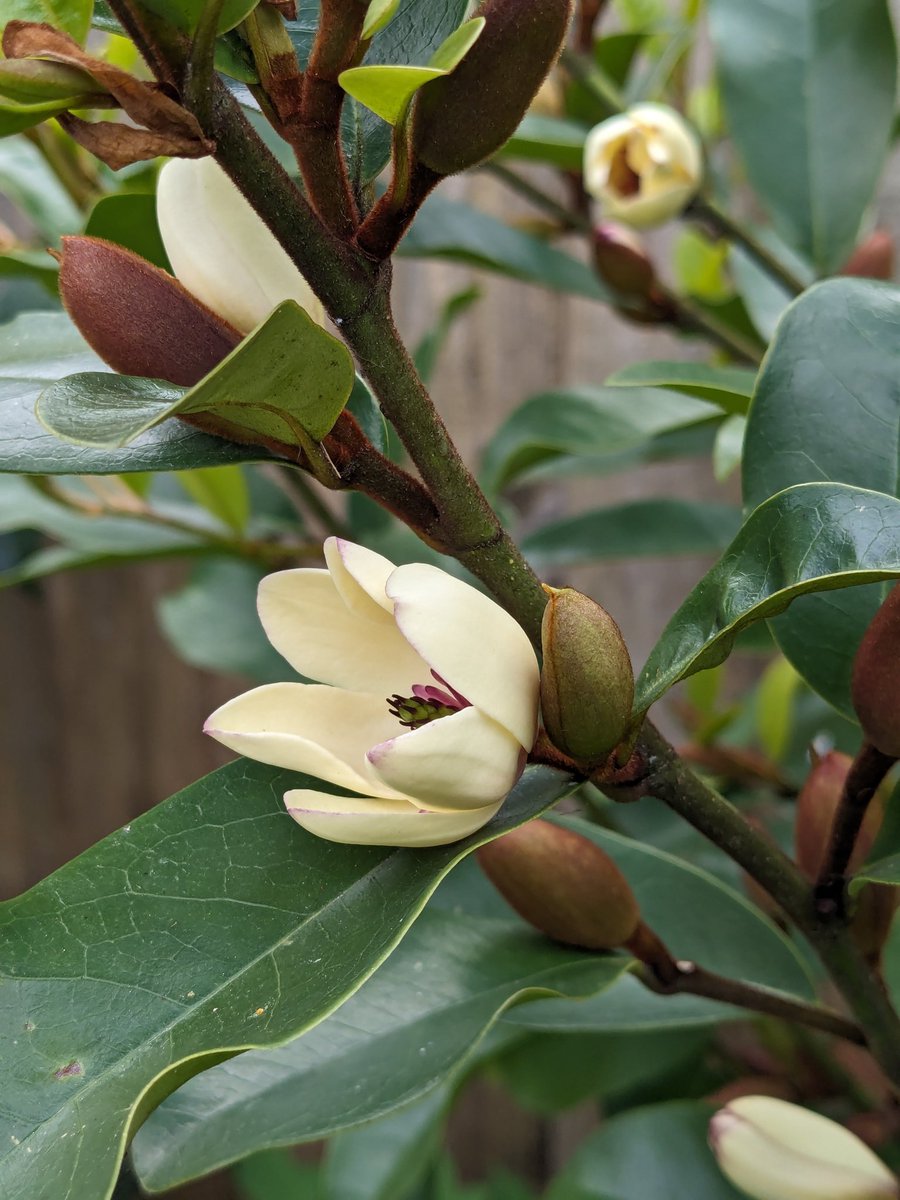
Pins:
x,y
384,227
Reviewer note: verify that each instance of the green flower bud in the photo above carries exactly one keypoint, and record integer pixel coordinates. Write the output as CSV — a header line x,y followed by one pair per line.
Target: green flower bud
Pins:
x,y
563,884
139,320
876,678
466,116
587,684
773,1150
31,80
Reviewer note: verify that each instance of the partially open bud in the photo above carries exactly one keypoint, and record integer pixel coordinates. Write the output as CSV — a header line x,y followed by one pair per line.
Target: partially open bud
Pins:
x,y
139,319
622,261
774,1150
465,117
814,817
873,258
876,678
562,884
644,165
220,248
587,682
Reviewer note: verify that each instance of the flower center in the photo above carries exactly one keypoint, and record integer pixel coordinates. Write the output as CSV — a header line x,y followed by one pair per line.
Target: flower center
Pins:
x,y
427,703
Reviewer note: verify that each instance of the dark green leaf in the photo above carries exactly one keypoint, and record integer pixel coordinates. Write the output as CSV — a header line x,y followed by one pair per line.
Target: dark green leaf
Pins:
x,y
277,1175
185,14
413,1024
38,348
71,16
828,98
816,537
634,529
455,231
587,422
29,184
729,387
659,1152
129,220
827,407
212,924
288,380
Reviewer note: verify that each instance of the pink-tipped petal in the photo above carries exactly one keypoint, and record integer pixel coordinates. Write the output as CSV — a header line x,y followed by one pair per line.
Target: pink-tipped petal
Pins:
x,y
463,761
471,643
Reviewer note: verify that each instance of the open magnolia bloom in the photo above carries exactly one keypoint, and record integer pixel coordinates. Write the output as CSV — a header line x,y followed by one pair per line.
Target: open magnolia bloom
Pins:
x,y
426,706
221,250
644,165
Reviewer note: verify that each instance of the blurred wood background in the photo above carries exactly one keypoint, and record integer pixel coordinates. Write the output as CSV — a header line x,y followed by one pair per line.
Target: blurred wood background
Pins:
x,y
99,720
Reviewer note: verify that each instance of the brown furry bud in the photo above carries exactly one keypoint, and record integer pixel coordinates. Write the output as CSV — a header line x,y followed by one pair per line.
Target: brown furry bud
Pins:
x,y
466,116
587,683
622,262
562,884
140,320
876,678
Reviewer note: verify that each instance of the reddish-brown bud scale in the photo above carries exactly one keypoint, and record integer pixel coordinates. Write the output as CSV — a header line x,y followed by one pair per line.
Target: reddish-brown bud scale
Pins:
x,y
466,116
563,884
140,320
876,678
622,262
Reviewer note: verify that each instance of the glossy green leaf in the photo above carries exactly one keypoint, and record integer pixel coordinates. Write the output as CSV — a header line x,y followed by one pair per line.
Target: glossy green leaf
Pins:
x,y
206,927
378,15
634,529
289,380
387,1159
410,1027
815,537
129,220
660,1151
728,387
185,14
212,622
828,100
222,491
71,16
552,140
550,1072
826,407
587,421
452,230
39,348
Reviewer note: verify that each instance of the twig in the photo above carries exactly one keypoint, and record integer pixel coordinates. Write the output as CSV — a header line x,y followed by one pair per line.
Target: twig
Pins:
x,y
704,208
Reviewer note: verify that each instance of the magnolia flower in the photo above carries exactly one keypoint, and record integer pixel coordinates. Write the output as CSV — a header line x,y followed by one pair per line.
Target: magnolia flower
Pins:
x,y
643,165
426,705
773,1150
220,249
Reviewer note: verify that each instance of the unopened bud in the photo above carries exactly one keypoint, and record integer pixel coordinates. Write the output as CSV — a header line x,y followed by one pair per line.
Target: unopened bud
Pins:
x,y
774,1150
563,884
32,80
139,320
587,682
621,260
465,117
876,678
873,258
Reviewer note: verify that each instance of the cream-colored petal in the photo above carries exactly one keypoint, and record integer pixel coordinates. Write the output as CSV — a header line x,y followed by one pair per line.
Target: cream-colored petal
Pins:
x,y
221,250
471,643
464,761
307,621
360,575
321,731
362,822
